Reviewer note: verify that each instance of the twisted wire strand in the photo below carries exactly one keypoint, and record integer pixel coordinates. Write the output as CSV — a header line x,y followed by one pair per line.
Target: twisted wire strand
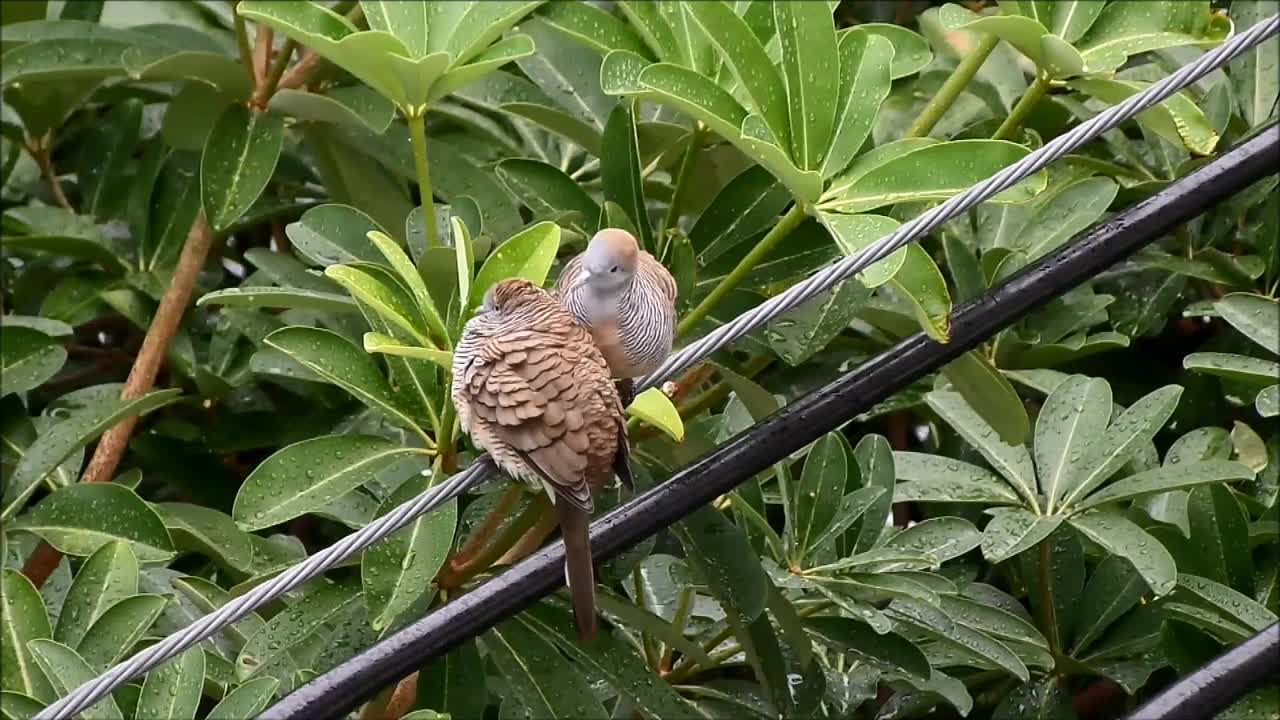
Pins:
x,y
314,566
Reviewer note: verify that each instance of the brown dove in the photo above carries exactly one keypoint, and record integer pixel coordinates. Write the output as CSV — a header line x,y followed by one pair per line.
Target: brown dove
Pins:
x,y
628,301
532,389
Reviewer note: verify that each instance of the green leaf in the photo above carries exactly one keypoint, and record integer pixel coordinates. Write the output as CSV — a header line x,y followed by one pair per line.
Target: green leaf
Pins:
x,y
1176,119
1241,368
1118,535
483,23
1113,589
1258,318
387,345
570,79
934,478
620,170
802,332
173,689
28,358
67,671
1164,479
822,481
206,531
933,171
104,188
910,50
45,229
319,604
174,205
16,706
593,27
412,279
212,68
527,254
1126,29
990,394
876,468
742,52
1070,426
1253,74
118,629
942,538
239,159
107,576
349,106
274,297
722,555
655,408
1237,606
401,568
1219,529
338,361
455,682
809,54
1013,531
333,233
1136,426
1011,461
955,639
308,475
247,700
61,60
866,60
406,21
1044,700
1062,213
548,192
610,657
1268,401
22,619
892,651
534,672
854,233
79,519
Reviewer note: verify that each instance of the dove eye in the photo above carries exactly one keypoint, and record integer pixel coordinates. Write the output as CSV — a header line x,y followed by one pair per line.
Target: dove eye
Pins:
x,y
613,269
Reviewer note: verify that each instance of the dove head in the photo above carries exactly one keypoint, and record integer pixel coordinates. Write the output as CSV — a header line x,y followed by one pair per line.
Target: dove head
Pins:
x,y
511,294
609,264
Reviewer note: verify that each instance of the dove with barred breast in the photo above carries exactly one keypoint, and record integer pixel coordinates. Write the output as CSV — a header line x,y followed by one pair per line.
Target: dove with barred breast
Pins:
x,y
532,389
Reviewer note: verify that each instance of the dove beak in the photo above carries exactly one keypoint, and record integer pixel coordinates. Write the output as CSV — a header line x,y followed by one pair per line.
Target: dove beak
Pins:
x,y
584,276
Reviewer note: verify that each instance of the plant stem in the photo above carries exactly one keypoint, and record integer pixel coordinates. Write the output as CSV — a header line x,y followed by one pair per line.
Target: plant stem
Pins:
x,y
263,39
1048,614
954,85
262,94
418,133
1023,107
789,222
242,42
682,182
455,575
683,606
505,505
42,152
142,377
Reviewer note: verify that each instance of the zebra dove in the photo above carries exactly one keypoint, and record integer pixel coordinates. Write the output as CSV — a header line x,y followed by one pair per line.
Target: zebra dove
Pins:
x,y
628,301
532,389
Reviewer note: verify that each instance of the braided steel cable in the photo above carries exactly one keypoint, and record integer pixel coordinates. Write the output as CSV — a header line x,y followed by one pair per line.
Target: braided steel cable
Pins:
x,y
314,566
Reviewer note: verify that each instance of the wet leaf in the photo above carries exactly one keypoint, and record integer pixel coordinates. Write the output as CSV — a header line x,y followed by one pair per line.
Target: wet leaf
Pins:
x,y
67,671
118,629
247,700
22,619
173,689
1013,531
107,576
655,408
79,519
239,159
207,531
527,254
396,572
320,603
1120,536
28,358
533,669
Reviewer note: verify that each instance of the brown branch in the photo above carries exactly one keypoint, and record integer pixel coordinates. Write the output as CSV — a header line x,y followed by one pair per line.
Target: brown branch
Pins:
x,y
42,153
262,42
300,74
110,449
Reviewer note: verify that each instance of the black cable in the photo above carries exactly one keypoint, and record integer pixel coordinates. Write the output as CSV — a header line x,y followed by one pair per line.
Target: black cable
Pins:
x,y
1214,687
336,692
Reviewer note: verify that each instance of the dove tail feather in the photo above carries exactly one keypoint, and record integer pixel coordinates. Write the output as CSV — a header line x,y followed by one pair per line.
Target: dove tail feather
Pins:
x,y
579,573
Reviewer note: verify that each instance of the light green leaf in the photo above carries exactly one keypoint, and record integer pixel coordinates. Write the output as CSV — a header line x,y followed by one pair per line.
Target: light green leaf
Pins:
x,y
67,671
593,27
910,51
854,233
1011,461
308,475
819,493
319,604
809,56
173,689
934,171
410,276
1070,426
335,359
1241,368
924,286
206,531
1120,536
655,408
1254,74
28,358
379,343
533,670
1176,119
406,21
1014,530
239,159
275,297
247,700
1127,434
107,576
990,394
935,478
865,68
1125,29
527,254
79,519
483,23
118,629
746,57
802,332
1163,479
1257,317
941,538
23,618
